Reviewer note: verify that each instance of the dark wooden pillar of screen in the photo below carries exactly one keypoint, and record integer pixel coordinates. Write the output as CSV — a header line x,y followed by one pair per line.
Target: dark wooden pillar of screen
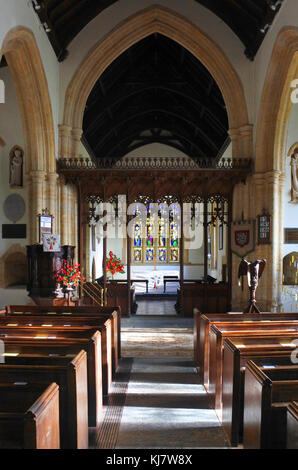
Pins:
x,y
104,244
205,303
81,230
230,218
128,256
181,256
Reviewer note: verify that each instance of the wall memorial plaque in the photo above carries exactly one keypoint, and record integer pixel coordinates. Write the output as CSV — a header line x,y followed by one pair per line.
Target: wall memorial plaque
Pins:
x,y
264,229
291,236
14,207
10,231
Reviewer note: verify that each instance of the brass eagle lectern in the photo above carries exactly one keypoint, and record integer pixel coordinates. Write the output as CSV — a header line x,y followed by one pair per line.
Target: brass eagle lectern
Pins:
x,y
253,271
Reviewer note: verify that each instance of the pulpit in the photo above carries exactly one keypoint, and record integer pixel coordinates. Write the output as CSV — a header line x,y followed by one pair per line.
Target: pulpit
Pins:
x,y
41,266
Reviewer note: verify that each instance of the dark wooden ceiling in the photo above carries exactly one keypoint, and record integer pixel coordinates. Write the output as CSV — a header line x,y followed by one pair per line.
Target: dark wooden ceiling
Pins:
x,y
64,19
155,92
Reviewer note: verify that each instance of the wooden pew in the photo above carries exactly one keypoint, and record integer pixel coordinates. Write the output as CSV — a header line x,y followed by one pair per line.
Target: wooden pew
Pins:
x,y
219,334
59,321
92,343
71,375
292,425
203,323
74,332
80,311
29,416
237,352
267,394
64,347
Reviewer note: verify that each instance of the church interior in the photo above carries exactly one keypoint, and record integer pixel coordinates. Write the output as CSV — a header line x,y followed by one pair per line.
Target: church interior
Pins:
x,y
149,225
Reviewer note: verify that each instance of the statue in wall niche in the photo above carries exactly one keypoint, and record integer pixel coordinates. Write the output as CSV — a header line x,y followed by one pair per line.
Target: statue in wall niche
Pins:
x,y
294,176
16,167
253,271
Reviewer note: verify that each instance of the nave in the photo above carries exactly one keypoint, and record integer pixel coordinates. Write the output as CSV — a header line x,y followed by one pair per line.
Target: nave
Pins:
x,y
79,377
162,404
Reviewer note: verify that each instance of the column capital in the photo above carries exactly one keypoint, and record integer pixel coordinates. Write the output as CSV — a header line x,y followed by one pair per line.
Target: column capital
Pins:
x,y
37,176
234,133
64,129
77,133
246,130
52,178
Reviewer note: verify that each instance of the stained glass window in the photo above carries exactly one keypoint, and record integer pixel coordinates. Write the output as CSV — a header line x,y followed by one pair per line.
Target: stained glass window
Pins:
x,y
161,242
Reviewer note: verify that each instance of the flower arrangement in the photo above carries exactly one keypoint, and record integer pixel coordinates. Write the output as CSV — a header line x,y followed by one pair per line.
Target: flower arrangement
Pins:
x,y
69,276
114,264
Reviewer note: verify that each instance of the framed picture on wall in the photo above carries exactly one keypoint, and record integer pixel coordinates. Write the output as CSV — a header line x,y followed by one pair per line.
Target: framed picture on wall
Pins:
x,y
45,224
220,237
264,229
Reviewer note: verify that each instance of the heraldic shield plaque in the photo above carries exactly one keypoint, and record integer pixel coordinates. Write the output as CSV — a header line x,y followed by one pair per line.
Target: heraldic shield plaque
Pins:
x,y
243,238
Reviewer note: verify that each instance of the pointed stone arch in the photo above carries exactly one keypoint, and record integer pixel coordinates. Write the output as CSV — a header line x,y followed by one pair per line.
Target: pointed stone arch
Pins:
x,y
155,19
271,153
26,67
276,104
25,64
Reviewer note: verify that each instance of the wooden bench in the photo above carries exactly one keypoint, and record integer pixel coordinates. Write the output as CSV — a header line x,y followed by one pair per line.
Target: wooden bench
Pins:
x,y
267,394
217,337
29,416
74,332
71,375
292,425
64,347
237,352
60,321
80,311
203,323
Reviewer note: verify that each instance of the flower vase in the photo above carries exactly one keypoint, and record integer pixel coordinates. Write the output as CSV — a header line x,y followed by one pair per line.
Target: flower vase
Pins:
x,y
69,293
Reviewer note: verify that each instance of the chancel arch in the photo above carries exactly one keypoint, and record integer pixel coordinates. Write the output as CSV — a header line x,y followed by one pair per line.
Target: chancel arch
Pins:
x,y
163,21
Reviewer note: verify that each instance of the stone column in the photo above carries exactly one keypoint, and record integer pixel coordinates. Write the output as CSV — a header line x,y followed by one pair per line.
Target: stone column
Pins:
x,y
76,135
64,214
52,198
36,182
273,250
64,141
245,141
235,134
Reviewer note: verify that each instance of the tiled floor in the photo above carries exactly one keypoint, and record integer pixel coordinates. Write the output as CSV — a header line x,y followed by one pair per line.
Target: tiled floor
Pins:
x,y
156,402
156,307
165,407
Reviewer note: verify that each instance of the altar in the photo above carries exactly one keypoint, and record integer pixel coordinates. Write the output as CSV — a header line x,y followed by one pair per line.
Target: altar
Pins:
x,y
155,279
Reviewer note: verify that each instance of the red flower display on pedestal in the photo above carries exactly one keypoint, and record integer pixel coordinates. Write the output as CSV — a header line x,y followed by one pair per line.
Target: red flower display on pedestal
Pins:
x,y
114,265
69,276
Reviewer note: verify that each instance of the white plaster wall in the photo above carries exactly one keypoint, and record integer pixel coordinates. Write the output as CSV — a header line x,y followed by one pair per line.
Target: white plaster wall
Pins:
x,y
290,215
11,132
156,150
289,295
20,12
14,296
